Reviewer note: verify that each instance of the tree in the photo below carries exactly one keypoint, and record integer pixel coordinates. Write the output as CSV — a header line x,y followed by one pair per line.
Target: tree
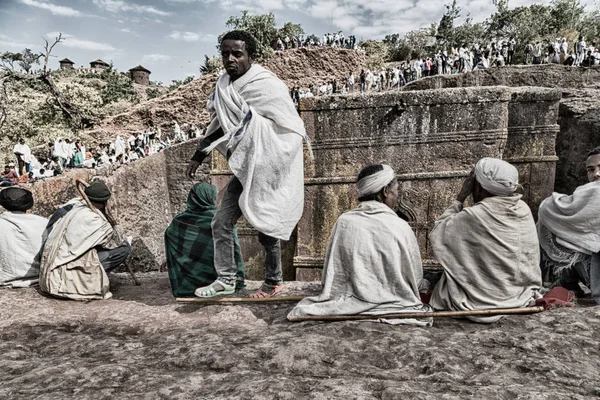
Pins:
x,y
262,27
565,15
175,83
28,59
210,65
376,52
292,31
25,59
445,28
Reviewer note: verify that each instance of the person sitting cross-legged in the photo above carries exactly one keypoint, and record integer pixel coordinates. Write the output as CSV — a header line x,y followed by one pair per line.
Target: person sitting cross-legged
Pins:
x,y
569,233
373,264
82,245
489,251
20,239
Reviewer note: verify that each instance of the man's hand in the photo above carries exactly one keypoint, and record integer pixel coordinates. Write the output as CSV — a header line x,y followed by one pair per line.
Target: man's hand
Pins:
x,y
192,168
467,187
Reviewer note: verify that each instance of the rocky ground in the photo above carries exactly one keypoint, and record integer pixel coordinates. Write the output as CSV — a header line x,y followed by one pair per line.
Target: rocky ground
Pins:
x,y
143,345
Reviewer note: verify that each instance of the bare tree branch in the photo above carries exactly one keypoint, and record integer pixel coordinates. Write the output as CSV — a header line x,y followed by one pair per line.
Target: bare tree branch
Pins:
x,y
48,50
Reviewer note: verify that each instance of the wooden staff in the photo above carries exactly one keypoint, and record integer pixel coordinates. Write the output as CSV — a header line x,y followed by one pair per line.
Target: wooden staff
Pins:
x,y
212,300
78,184
434,314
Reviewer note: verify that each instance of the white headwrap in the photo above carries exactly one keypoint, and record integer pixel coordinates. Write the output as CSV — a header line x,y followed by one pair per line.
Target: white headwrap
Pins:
x,y
374,183
497,176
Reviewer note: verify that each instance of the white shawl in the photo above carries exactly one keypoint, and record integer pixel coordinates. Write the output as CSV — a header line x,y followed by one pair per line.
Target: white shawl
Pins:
x,y
575,219
20,242
490,255
264,134
70,266
372,267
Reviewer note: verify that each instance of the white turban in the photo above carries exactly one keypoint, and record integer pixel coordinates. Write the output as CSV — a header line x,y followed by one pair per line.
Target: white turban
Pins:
x,y
375,182
497,176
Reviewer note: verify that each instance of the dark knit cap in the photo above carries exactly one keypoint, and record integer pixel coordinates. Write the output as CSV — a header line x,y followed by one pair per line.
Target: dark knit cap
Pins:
x,y
98,192
16,199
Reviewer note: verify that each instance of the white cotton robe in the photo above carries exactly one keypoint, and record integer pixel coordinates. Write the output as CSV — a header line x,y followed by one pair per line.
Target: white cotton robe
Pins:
x,y
20,242
265,136
490,255
70,266
372,267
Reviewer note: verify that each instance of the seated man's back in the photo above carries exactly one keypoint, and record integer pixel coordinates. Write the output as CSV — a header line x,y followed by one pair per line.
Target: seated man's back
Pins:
x,y
569,233
489,251
20,238
373,264
81,246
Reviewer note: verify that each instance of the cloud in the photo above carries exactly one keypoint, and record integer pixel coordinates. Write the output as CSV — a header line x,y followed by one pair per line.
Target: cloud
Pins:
x,y
156,57
72,42
116,6
185,36
14,43
53,8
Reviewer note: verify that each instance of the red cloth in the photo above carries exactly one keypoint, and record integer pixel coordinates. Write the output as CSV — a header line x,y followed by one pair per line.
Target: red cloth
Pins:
x,y
555,298
12,176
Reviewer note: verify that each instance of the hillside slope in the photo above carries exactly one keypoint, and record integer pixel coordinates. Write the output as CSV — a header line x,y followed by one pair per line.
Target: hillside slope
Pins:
x,y
186,104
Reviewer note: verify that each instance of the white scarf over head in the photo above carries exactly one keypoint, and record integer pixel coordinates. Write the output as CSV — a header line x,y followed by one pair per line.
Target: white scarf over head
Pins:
x,y
497,176
375,182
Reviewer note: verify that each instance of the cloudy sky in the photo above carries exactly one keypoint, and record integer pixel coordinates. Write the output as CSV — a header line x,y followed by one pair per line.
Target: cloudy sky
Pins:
x,y
170,37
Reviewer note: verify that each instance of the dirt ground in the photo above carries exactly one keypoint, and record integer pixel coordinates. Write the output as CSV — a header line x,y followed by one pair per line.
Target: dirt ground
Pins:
x,y
143,345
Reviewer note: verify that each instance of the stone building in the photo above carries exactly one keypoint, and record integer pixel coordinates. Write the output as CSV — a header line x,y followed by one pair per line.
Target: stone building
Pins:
x,y
66,64
140,75
99,64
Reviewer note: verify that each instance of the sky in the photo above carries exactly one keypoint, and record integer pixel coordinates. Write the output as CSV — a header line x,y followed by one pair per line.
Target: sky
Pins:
x,y
171,37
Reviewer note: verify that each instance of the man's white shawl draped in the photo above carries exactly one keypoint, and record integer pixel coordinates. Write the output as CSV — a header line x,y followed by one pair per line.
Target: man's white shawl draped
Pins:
x,y
20,243
490,255
70,266
264,135
372,266
575,219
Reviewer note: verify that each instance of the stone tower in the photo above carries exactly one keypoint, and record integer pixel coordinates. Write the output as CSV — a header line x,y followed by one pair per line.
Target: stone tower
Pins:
x,y
66,64
99,64
140,75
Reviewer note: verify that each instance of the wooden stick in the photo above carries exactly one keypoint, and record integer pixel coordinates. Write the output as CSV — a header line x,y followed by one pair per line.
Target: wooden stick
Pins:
x,y
434,314
212,300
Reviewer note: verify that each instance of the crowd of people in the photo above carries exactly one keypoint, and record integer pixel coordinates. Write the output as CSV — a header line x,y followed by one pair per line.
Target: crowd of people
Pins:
x,y
492,252
497,53
329,39
68,153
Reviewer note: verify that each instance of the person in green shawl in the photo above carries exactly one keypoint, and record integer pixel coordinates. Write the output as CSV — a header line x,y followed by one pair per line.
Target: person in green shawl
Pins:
x,y
189,244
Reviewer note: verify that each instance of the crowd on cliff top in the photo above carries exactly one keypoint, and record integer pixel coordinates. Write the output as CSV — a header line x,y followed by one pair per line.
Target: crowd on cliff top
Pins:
x,y
337,40
497,53
72,153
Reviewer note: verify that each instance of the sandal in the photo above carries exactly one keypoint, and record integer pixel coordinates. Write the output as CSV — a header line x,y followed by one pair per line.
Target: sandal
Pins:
x,y
261,294
210,291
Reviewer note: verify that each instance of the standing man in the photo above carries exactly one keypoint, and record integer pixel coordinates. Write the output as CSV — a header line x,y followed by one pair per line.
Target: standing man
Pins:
x,y
256,126
23,154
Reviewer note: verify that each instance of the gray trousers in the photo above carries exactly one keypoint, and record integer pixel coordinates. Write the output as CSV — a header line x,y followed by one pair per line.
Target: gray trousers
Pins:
x,y
227,215
111,259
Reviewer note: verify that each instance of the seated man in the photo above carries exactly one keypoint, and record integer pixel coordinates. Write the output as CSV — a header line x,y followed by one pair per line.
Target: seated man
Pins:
x,y
82,245
189,244
9,176
489,251
20,239
373,265
569,233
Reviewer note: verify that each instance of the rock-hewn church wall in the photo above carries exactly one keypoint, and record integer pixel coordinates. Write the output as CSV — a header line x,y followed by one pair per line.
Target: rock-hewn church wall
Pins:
x,y
579,119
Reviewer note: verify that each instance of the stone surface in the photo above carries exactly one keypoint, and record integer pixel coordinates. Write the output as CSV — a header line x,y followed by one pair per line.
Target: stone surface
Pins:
x,y
432,139
143,345
579,118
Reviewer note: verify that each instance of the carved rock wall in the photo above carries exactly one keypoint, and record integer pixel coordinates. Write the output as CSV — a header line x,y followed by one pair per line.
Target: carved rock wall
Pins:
x,y
431,138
